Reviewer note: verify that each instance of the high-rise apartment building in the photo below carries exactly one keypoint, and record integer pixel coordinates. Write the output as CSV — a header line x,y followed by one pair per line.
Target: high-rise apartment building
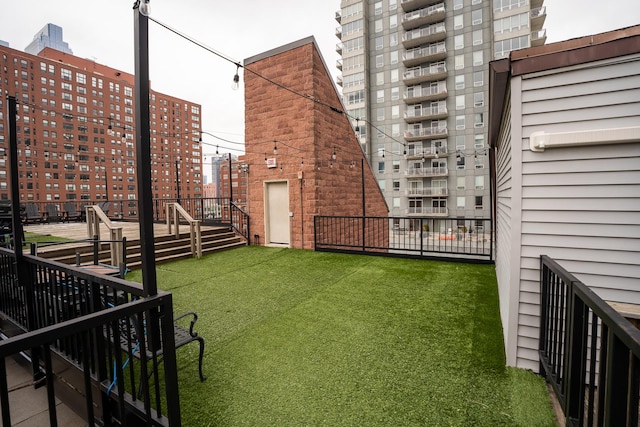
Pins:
x,y
75,132
414,80
49,36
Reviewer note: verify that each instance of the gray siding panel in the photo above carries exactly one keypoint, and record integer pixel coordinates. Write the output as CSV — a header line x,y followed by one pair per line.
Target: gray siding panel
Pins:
x,y
580,205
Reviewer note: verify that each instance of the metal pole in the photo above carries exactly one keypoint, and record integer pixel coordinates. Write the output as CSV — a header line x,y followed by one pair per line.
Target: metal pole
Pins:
x,y
143,151
363,204
178,180
230,183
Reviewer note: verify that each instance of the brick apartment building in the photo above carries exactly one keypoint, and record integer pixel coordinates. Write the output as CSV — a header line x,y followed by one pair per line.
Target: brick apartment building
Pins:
x,y
303,155
76,131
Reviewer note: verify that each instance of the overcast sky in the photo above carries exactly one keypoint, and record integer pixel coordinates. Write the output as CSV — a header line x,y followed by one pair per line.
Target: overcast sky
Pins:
x,y
103,30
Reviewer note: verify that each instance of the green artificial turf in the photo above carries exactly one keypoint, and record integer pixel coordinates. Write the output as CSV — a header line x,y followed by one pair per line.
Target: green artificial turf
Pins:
x,y
43,239
307,338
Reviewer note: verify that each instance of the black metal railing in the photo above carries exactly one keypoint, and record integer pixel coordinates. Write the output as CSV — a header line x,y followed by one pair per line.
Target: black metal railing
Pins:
x,y
240,221
87,321
588,352
453,238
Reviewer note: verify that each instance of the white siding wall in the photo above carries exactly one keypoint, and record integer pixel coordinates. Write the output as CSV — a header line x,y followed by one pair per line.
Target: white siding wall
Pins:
x,y
580,205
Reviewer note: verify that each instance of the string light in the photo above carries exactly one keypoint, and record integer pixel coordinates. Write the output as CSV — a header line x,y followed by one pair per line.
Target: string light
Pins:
x,y
236,78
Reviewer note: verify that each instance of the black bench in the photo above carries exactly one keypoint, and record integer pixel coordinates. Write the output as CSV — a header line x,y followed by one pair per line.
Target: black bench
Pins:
x,y
130,339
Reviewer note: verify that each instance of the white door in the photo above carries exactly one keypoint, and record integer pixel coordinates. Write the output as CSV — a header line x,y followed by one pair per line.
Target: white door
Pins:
x,y
277,213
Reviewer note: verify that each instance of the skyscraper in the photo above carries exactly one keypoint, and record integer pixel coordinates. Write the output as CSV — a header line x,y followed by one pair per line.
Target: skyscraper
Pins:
x,y
49,36
414,79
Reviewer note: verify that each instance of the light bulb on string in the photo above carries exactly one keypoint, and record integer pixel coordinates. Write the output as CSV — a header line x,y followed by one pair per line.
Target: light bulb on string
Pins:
x,y
235,85
275,148
334,156
144,7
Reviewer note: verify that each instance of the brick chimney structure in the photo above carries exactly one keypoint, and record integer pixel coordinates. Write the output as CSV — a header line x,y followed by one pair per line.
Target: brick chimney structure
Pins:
x,y
304,157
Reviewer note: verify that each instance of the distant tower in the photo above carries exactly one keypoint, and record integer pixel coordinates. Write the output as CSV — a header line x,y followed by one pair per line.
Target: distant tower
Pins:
x,y
49,36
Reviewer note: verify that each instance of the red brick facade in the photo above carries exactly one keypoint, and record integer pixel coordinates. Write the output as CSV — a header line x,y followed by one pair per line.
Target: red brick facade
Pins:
x,y
307,134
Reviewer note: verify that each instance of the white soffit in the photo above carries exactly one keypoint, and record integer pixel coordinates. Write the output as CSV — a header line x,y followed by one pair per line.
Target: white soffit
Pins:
x,y
539,141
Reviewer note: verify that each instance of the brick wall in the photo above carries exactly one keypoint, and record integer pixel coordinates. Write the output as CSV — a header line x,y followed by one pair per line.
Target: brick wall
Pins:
x,y
307,134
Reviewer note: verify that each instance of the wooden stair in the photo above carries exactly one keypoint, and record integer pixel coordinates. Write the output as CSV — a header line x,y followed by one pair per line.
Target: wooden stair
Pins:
x,y
167,248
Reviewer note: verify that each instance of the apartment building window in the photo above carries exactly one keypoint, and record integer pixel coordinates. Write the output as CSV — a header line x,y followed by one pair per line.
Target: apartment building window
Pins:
x,y
349,45
393,59
478,58
476,1
81,78
379,43
460,182
478,162
393,21
380,78
503,47
380,113
393,39
460,102
459,62
478,99
458,42
478,78
378,8
460,122
395,93
478,120
379,61
460,144
511,23
478,202
380,167
395,112
65,74
459,81
395,128
457,4
396,167
478,141
458,22
378,25
380,95
460,161
396,185
479,182
477,37
476,17
460,202
382,184
393,4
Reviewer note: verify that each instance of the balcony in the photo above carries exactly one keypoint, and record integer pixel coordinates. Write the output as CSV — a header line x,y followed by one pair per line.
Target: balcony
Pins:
x,y
426,172
339,32
431,53
538,17
419,75
339,64
430,34
339,81
339,48
426,16
536,3
339,16
416,95
428,210
426,152
419,114
410,5
427,192
538,38
425,133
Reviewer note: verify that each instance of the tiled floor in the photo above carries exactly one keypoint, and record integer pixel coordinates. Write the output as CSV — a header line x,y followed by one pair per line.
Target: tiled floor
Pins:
x,y
29,406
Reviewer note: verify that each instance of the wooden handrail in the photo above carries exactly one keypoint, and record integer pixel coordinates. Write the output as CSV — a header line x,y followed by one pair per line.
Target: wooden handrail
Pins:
x,y
95,215
174,212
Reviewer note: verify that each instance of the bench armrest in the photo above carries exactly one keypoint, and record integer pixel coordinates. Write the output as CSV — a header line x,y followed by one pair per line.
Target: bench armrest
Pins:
x,y
194,319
